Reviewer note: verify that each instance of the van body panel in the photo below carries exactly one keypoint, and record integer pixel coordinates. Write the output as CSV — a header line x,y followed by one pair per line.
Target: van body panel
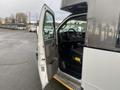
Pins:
x,y
101,60
100,70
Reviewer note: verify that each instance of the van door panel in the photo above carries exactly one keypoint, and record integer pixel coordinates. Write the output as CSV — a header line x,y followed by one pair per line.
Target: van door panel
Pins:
x,y
47,62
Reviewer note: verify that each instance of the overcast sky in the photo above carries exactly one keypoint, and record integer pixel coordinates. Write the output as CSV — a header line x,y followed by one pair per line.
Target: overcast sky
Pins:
x,y
8,7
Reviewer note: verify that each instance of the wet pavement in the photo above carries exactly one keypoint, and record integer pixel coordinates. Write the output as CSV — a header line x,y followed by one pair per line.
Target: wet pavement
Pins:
x,y
18,64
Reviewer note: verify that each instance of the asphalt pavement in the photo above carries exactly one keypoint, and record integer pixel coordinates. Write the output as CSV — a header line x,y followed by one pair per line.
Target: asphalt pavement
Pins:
x,y
18,64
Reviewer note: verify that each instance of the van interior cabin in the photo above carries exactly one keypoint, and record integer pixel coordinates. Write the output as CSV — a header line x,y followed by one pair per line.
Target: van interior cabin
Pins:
x,y
71,40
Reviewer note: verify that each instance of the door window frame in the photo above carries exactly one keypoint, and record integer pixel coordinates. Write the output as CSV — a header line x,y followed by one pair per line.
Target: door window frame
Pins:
x,y
67,19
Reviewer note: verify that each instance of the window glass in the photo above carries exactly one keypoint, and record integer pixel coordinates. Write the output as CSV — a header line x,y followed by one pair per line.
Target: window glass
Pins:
x,y
73,30
79,24
48,26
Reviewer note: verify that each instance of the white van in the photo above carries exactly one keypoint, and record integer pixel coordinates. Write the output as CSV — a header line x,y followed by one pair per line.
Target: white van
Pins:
x,y
84,52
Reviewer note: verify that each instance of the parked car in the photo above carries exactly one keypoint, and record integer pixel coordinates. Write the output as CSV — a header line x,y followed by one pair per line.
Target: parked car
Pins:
x,y
32,28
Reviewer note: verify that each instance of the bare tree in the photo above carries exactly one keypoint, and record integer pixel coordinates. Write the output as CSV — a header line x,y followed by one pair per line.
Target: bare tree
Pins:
x,y
12,18
21,18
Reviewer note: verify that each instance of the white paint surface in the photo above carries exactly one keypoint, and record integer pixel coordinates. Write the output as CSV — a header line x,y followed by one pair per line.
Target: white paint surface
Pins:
x,y
101,70
41,51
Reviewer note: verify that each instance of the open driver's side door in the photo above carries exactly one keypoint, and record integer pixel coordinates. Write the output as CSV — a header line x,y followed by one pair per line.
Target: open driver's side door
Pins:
x,y
47,59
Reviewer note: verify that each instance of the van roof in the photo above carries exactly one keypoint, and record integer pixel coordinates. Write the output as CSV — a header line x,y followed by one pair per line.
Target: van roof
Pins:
x,y
74,6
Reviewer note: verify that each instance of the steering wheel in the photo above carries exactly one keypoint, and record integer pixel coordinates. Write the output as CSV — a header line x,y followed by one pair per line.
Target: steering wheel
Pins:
x,y
72,35
72,29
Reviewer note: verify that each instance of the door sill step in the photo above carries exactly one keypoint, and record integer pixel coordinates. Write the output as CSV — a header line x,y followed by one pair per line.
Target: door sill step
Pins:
x,y
67,83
